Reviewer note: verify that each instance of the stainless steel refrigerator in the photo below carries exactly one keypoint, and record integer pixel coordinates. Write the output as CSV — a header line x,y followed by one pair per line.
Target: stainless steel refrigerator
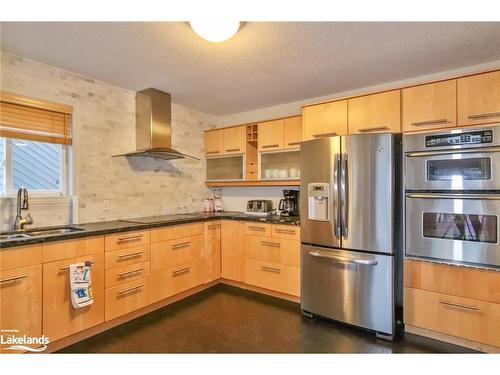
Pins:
x,y
350,229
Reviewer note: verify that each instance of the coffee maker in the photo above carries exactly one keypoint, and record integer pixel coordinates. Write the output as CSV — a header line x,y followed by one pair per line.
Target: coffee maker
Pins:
x,y
289,205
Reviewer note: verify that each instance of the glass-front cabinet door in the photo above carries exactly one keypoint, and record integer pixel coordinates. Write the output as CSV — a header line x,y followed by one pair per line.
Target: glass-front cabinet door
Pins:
x,y
279,165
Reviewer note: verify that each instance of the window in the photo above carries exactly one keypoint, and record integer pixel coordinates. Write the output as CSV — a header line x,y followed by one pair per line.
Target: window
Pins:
x,y
35,137
37,166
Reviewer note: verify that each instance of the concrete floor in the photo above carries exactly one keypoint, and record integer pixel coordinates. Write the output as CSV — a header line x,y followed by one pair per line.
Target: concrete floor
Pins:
x,y
225,319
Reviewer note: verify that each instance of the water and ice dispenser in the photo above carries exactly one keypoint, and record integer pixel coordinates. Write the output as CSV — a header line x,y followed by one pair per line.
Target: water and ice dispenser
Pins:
x,y
318,197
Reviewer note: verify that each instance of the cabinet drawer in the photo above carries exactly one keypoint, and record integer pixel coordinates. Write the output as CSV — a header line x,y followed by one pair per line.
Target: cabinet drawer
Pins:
x,y
59,250
173,280
126,257
126,240
447,279
170,253
176,231
21,302
274,250
258,229
22,256
60,319
125,274
273,276
291,232
128,297
456,316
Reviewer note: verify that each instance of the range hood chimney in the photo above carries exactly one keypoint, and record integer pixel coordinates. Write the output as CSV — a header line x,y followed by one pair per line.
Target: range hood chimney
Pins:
x,y
153,126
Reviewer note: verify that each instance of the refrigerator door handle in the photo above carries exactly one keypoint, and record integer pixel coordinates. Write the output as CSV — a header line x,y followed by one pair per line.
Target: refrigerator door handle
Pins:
x,y
344,195
338,259
335,200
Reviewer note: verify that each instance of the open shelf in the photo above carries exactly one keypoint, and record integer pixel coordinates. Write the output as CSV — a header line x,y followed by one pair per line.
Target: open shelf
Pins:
x,y
254,183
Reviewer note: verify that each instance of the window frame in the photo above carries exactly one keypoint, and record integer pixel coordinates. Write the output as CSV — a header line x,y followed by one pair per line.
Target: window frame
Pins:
x,y
9,191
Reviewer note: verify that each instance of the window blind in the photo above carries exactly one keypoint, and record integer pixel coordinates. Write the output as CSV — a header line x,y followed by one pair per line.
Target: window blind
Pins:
x,y
34,120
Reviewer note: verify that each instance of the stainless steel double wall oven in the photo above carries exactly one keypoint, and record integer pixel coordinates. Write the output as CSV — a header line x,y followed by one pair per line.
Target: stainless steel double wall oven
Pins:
x,y
452,185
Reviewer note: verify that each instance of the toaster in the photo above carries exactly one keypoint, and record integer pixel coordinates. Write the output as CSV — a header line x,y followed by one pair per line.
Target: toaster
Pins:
x,y
259,205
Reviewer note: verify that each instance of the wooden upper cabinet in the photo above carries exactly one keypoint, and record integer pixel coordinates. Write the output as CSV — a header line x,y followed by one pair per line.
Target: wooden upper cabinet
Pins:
x,y
293,132
479,99
322,120
271,135
214,142
235,140
375,113
430,106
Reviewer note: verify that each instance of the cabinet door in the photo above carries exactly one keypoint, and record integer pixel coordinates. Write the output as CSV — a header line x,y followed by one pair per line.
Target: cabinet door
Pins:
x,y
322,120
293,132
235,140
212,251
232,250
21,303
60,319
214,142
479,99
430,106
271,135
375,113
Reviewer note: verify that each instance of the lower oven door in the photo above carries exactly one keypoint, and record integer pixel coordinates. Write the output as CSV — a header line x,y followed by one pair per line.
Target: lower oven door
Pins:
x,y
349,286
453,227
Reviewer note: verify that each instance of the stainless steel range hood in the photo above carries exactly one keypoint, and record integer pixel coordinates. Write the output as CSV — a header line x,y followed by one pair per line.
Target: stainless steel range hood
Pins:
x,y
153,127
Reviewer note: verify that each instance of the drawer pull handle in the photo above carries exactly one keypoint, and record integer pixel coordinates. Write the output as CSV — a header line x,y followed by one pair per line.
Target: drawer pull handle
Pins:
x,y
319,135
430,122
374,129
286,231
270,269
233,150
213,152
181,271
182,244
484,115
15,278
128,273
130,255
130,238
452,304
270,244
269,146
129,290
293,143
214,226
67,267
256,228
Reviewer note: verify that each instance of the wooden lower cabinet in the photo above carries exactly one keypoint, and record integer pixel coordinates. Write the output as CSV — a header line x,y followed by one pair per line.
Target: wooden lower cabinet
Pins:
x,y
126,274
127,257
233,251
464,318
128,297
180,250
60,319
274,276
21,303
275,250
212,251
176,279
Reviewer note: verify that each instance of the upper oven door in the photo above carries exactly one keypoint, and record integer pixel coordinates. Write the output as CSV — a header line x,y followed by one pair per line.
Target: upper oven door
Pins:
x,y
464,169
453,227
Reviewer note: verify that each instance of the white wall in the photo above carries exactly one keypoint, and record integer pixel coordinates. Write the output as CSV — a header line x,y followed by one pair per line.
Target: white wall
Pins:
x,y
295,108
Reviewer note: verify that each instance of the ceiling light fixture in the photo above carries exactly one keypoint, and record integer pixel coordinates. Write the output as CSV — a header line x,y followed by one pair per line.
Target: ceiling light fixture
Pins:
x,y
215,31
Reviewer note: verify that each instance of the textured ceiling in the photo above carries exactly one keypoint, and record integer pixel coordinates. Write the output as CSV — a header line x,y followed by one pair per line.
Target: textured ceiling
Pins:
x,y
264,64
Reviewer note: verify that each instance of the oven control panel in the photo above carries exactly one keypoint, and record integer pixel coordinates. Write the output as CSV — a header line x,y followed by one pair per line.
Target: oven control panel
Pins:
x,y
466,138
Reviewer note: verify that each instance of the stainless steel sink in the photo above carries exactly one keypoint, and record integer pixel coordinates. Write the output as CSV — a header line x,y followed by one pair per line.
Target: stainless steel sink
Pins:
x,y
52,231
15,235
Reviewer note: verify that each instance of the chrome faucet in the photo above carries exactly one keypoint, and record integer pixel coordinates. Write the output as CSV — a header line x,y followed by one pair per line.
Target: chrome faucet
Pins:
x,y
22,204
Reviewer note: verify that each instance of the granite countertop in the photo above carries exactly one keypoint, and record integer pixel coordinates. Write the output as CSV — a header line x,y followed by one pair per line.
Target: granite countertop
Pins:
x,y
124,225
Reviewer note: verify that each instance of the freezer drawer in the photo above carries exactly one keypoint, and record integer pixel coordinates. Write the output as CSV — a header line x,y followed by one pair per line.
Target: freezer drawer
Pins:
x,y
352,287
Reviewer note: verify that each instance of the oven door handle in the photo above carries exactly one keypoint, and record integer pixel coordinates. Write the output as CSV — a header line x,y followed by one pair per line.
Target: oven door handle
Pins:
x,y
491,197
476,150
